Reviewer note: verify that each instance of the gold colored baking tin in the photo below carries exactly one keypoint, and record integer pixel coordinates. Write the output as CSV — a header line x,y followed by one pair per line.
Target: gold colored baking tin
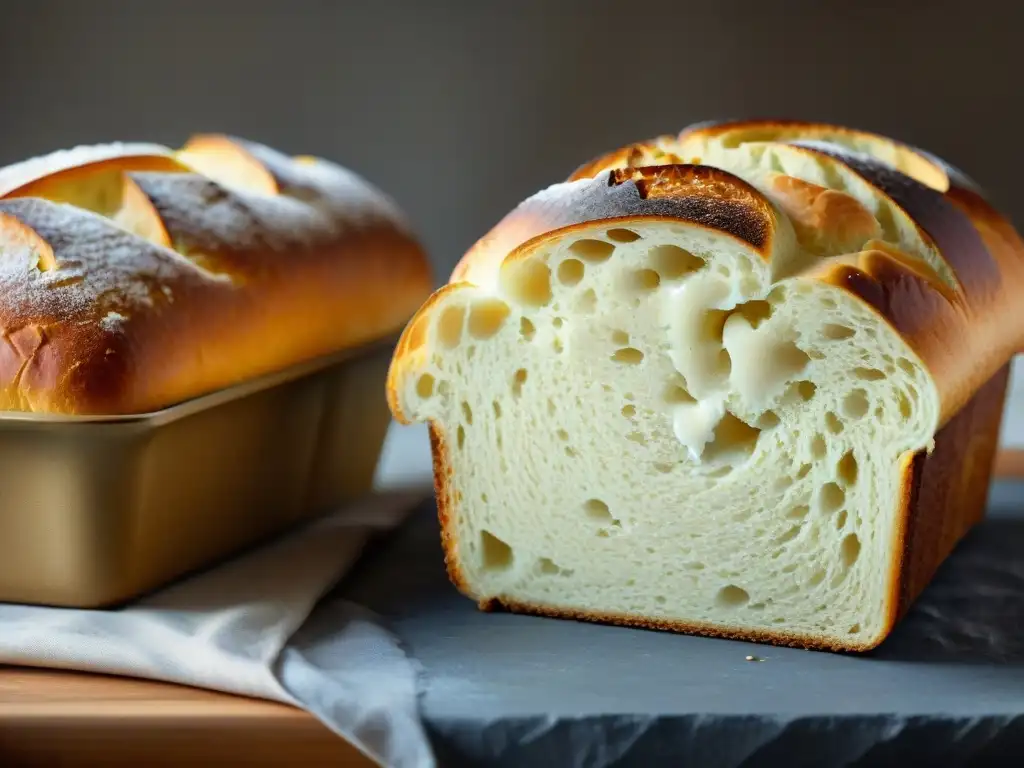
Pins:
x,y
95,511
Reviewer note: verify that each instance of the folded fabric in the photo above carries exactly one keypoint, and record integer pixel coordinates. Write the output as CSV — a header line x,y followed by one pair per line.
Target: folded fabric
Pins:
x,y
239,628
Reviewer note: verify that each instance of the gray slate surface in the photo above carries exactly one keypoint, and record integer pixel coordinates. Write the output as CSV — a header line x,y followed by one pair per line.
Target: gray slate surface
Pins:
x,y
946,689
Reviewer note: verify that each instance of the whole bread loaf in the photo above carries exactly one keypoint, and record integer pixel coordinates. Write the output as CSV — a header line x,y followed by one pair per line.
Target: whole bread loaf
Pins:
x,y
133,276
744,381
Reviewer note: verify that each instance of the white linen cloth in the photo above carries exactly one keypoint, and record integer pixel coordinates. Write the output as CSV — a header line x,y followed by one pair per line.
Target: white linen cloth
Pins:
x,y
253,626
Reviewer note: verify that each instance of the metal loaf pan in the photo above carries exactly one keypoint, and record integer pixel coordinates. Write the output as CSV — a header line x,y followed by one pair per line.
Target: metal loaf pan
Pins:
x,y
95,511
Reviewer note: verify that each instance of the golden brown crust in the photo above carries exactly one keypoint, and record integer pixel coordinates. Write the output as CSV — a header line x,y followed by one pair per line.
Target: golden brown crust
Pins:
x,y
920,309
824,218
410,345
68,176
125,290
446,504
904,158
701,195
963,339
786,639
945,491
707,197
230,161
975,267
641,154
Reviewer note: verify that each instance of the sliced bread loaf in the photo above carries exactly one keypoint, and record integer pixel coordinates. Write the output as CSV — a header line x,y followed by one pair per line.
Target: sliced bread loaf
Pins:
x,y
745,381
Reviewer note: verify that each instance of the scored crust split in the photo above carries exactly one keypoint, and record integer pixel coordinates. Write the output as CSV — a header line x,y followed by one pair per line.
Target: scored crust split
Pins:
x,y
133,276
745,381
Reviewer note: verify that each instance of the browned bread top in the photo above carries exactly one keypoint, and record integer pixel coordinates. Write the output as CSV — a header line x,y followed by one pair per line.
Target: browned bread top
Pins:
x,y
932,256
133,277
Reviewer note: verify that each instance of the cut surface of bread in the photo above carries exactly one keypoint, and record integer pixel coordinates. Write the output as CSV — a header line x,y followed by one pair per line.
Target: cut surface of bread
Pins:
x,y
690,396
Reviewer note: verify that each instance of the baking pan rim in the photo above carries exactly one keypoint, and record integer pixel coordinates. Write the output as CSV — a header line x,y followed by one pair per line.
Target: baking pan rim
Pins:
x,y
204,402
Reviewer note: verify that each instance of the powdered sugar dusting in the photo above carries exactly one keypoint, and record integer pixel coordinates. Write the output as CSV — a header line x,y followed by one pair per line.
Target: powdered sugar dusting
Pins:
x,y
346,195
338,192
18,174
97,264
113,322
202,215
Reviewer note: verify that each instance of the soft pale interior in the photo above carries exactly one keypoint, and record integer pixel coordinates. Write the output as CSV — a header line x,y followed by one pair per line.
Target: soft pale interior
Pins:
x,y
644,422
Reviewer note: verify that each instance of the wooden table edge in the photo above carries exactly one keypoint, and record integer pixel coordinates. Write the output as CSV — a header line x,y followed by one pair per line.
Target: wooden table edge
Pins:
x,y
56,717
1009,464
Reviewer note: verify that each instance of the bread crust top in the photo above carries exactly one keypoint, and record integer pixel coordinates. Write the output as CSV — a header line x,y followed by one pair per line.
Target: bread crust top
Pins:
x,y
133,276
950,296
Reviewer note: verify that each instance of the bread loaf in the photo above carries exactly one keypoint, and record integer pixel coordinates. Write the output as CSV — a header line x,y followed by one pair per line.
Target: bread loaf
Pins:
x,y
745,381
133,276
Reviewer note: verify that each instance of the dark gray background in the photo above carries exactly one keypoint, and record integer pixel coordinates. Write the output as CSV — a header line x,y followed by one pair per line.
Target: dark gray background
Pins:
x,y
460,109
